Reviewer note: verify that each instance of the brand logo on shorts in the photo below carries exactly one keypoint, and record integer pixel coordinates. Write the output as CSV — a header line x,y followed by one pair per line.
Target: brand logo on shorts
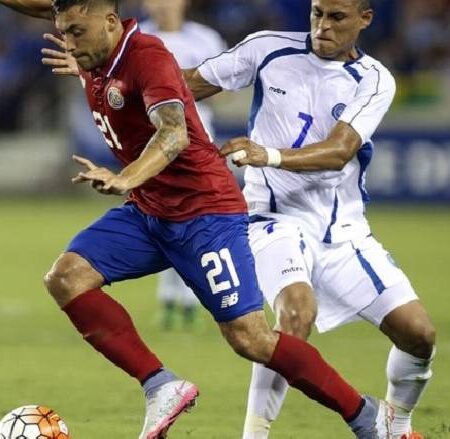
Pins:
x,y
291,270
337,110
115,98
230,300
280,91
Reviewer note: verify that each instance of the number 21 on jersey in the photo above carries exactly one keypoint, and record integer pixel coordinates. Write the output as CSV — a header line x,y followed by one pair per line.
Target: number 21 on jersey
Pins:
x,y
216,262
108,133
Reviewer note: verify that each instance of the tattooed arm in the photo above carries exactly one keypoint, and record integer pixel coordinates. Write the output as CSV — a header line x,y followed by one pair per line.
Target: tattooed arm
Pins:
x,y
170,139
200,87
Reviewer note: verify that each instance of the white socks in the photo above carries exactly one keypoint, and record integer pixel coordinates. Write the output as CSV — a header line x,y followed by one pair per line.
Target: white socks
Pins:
x,y
407,379
266,396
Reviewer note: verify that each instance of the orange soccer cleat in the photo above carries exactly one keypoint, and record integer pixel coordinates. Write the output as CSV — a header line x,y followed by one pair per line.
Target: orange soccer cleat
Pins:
x,y
413,435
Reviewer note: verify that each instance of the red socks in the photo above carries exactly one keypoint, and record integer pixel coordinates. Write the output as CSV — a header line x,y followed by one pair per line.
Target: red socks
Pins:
x,y
305,369
107,326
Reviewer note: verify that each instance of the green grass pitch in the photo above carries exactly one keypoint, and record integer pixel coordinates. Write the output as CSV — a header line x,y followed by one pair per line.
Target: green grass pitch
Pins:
x,y
43,360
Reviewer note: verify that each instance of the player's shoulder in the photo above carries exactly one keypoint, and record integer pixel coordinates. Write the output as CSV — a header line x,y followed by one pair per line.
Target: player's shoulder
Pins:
x,y
369,66
146,45
260,45
277,39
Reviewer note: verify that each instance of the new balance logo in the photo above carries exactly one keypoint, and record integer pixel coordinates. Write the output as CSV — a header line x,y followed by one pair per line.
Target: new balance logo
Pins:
x,y
278,90
230,300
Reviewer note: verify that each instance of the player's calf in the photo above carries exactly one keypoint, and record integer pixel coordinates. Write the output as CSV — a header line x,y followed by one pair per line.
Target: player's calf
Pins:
x,y
411,330
70,276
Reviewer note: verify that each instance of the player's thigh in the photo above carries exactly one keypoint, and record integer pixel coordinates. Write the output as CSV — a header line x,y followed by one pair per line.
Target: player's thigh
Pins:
x,y
282,257
119,245
351,276
389,306
213,256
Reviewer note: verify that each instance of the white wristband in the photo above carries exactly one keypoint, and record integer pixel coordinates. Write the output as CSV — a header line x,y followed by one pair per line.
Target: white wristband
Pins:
x,y
273,157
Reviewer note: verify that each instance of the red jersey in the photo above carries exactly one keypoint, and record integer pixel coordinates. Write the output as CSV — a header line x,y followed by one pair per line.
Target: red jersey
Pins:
x,y
140,75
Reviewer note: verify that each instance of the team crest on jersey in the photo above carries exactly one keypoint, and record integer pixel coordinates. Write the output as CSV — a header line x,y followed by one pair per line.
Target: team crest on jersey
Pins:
x,y
115,98
337,110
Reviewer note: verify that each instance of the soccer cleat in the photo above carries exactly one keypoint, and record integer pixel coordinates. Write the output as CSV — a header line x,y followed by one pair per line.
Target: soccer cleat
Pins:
x,y
412,435
374,421
165,405
385,417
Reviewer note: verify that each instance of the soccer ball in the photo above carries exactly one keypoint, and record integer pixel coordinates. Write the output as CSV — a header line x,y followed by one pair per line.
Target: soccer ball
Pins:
x,y
33,422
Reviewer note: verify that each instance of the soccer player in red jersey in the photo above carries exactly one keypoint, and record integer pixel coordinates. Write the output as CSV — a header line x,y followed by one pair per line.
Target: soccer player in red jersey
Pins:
x,y
184,210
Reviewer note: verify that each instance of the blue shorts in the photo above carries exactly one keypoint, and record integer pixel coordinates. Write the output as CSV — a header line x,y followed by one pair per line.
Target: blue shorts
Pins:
x,y
211,253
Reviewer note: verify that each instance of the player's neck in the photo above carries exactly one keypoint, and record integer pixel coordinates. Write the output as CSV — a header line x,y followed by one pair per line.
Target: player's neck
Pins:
x,y
348,56
116,37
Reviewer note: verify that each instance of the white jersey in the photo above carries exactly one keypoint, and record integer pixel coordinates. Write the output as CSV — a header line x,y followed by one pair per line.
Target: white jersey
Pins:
x,y
298,99
191,45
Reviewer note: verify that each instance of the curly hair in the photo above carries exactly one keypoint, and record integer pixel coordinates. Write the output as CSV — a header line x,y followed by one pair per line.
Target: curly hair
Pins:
x,y
63,5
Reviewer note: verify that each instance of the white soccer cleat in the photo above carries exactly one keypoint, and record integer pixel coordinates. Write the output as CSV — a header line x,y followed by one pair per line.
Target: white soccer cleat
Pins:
x,y
165,405
375,420
385,417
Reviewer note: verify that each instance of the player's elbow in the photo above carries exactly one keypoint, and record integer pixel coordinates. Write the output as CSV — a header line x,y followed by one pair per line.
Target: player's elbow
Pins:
x,y
339,162
342,155
183,140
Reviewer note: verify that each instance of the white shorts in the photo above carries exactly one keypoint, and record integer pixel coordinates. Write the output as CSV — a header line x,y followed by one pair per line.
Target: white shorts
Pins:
x,y
356,280
282,256
352,280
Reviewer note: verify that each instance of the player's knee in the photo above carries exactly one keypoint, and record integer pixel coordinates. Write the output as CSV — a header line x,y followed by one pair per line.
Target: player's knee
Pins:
x,y
69,276
59,278
250,338
296,322
296,310
241,344
420,338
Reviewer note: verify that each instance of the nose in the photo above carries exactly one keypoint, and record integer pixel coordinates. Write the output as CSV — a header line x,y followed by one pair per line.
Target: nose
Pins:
x,y
70,44
323,24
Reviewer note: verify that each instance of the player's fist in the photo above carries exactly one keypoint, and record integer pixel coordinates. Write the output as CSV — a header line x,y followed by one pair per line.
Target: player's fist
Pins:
x,y
244,151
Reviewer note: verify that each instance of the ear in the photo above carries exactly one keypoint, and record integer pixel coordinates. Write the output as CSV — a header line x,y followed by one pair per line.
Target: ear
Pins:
x,y
112,21
366,18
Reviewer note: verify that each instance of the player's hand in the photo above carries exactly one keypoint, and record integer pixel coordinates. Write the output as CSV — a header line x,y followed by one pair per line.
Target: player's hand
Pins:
x,y
62,62
101,179
245,152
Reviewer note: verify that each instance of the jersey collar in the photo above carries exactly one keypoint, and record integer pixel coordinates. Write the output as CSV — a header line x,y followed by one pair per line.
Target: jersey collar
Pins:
x,y
130,28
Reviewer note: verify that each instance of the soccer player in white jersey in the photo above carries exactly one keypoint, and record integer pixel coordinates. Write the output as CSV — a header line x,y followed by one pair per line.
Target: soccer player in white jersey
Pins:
x,y
191,43
317,101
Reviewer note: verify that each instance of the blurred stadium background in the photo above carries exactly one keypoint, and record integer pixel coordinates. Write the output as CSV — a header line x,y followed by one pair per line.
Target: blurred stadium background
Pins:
x,y
43,121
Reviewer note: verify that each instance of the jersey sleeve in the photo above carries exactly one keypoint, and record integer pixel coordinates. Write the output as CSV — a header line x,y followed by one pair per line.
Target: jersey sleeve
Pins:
x,y
373,98
233,69
158,78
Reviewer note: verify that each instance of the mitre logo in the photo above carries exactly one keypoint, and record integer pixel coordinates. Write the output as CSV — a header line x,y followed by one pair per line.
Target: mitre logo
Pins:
x,y
115,99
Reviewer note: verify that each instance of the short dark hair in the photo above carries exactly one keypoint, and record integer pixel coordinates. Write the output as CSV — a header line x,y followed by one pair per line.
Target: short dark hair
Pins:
x,y
364,5
63,5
